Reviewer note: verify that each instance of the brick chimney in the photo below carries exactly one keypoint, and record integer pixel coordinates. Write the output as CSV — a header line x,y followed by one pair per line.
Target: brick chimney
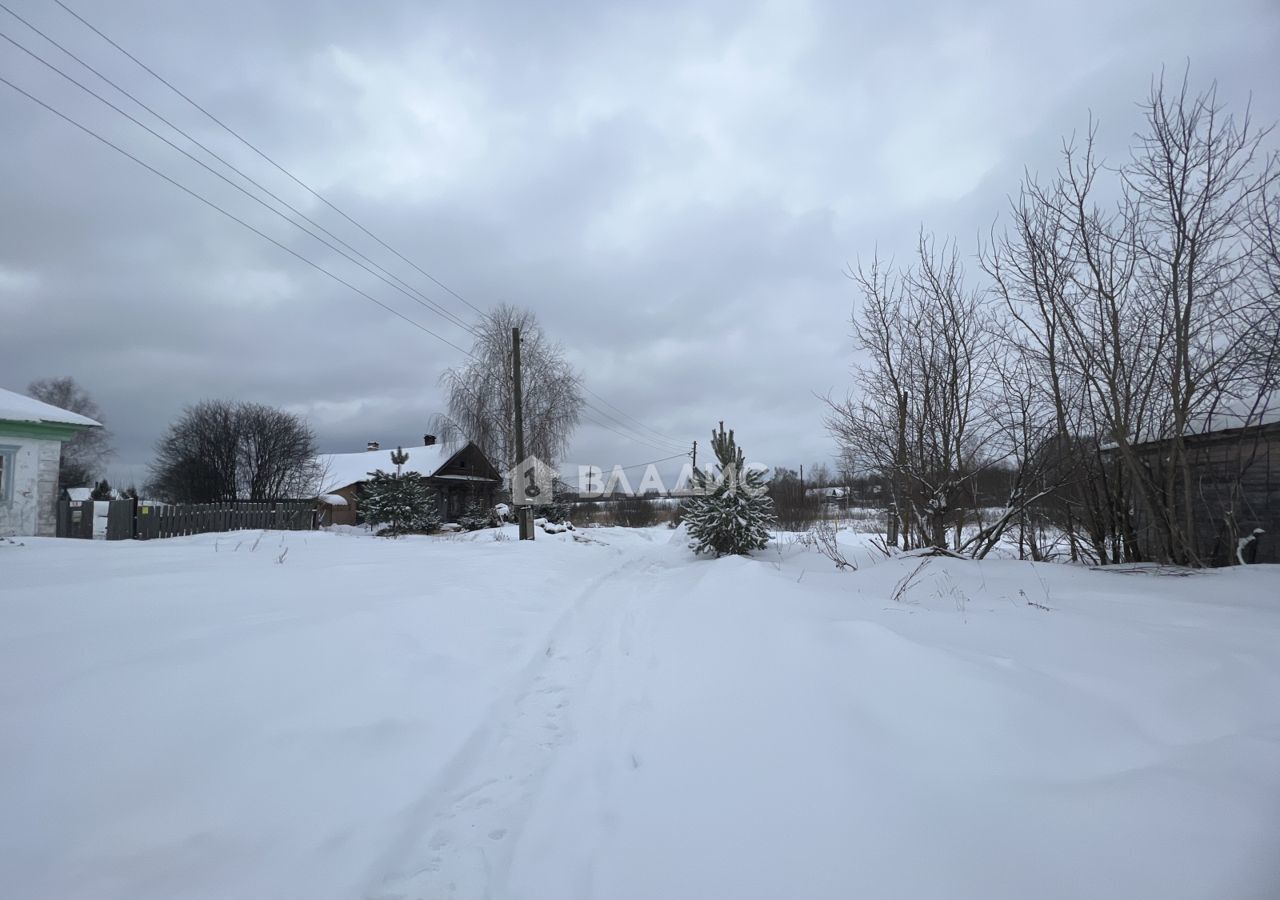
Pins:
x,y
428,440
373,445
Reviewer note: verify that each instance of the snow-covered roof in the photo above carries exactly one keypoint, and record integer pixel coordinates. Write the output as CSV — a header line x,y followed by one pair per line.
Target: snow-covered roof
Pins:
x,y
1237,413
1230,413
79,493
333,500
16,407
343,469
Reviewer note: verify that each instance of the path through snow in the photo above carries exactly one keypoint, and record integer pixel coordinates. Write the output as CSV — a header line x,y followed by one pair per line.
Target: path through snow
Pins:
x,y
470,718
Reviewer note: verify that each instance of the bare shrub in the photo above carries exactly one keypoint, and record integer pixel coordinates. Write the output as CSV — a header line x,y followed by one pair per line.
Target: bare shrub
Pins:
x,y
634,512
793,507
823,537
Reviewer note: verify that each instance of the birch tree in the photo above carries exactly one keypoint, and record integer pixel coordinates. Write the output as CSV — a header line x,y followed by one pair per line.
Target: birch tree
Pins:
x,y
481,406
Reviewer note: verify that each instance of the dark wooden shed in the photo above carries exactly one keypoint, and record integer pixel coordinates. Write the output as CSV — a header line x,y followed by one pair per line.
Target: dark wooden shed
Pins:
x,y
1236,492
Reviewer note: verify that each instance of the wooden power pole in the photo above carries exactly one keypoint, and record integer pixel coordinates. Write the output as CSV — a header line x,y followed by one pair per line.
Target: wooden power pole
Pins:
x,y
524,514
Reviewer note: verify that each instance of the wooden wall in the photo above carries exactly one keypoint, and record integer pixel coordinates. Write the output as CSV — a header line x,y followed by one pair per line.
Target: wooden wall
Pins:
x,y
1236,489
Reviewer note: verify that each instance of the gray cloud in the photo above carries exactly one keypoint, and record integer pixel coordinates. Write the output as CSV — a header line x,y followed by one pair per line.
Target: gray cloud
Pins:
x,y
675,189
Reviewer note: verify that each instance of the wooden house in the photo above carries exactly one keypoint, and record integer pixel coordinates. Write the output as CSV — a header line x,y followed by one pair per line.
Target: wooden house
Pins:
x,y
459,473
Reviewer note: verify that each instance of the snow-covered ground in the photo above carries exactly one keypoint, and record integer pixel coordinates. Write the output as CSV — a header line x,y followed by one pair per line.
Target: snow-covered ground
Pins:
x,y
465,717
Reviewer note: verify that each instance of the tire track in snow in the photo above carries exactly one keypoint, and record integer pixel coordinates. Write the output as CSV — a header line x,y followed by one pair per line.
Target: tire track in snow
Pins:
x,y
462,834
585,784
566,840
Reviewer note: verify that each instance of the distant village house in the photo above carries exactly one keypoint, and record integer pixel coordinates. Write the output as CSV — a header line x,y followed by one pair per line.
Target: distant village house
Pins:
x,y
460,474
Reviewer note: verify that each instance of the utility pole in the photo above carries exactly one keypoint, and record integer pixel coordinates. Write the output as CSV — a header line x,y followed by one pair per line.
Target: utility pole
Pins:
x,y
523,511
695,456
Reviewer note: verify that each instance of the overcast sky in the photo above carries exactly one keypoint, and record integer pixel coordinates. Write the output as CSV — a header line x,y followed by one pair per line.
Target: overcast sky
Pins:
x,y
675,188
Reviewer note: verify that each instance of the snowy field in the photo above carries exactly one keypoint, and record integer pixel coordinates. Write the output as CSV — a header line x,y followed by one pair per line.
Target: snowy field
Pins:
x,y
214,717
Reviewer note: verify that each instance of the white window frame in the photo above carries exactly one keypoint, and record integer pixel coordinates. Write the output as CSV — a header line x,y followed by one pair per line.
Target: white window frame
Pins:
x,y
8,464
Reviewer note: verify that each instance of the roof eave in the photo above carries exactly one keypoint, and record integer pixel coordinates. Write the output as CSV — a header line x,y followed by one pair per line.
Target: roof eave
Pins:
x,y
61,431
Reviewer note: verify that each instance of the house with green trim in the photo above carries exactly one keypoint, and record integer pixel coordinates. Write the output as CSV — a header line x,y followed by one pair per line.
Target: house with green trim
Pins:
x,y
31,438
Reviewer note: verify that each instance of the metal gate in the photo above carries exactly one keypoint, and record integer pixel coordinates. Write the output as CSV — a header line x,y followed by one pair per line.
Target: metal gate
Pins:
x,y
120,519
75,519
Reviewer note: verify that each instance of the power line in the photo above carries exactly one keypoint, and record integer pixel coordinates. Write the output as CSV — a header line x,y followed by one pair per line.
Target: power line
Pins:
x,y
429,304
229,215
652,462
435,306
627,437
673,443
634,436
661,439
654,431
231,131
246,142
624,424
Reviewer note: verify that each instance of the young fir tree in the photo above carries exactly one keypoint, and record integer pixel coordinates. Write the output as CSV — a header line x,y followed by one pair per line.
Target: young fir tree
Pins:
x,y
730,512
477,516
403,502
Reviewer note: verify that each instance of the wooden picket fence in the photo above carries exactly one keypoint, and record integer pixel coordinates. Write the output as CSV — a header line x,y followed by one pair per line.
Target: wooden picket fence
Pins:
x,y
164,521
130,520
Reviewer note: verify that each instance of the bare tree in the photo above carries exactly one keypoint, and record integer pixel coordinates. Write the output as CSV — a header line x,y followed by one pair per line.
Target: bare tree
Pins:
x,y
794,507
1262,347
1126,327
1160,322
220,451
481,408
819,475
1148,319
1062,269
1026,432
1199,175
276,454
921,418
85,454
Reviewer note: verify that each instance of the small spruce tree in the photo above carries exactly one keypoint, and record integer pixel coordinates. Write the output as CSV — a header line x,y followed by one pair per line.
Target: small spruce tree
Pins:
x,y
477,516
730,512
403,503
